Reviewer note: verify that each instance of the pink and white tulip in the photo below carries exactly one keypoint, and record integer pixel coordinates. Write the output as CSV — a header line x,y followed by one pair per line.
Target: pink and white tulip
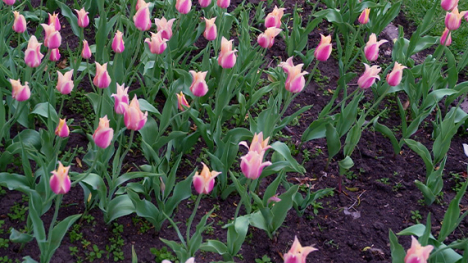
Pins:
x,y
52,39
298,253
371,50
183,6
142,17
369,76
295,81
199,87
204,182
134,118
252,164
19,25
60,181
164,26
258,144
223,3
65,83
273,19
453,19
103,135
211,31
448,5
394,77
54,55
20,92
9,2
227,56
83,19
446,38
121,99
86,51
102,79
156,44
118,45
55,21
267,39
418,253
32,55
364,17
62,129
324,49
204,3
181,101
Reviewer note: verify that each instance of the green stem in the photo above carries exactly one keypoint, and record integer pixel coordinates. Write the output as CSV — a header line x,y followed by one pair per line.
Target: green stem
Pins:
x,y
58,202
189,224
125,153
312,73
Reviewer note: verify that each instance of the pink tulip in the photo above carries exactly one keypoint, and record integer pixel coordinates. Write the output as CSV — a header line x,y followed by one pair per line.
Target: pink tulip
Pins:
x,y
156,44
121,99
181,101
211,32
324,49
9,2
142,17
204,182
54,55
133,117
102,79
53,39
274,198
199,87
86,51
444,40
371,50
139,4
448,5
364,17
267,39
62,129
183,6
370,75
19,25
418,253
204,3
54,20
103,135
453,19
65,83
227,56
258,144
297,253
273,19
60,181
20,92
118,45
165,27
32,55
394,77
223,3
252,164
295,82
190,260
83,19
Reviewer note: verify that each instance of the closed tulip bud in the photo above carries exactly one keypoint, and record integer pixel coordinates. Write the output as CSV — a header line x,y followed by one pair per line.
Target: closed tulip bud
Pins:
x,y
258,144
54,55
364,17
370,75
60,181
273,19
183,6
165,27
223,3
204,182
32,55
19,25
199,87
453,19
418,253
252,164
448,5
65,83
295,81
394,77
211,32
267,39
118,45
20,92
446,38
181,101
62,129
139,4
52,39
156,44
142,18
297,253
324,49
371,50
83,19
204,3
102,79
54,20
9,2
121,99
133,117
86,51
227,56
103,135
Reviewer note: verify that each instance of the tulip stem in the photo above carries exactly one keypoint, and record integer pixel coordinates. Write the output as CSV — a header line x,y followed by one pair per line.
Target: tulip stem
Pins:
x,y
126,151
189,224
61,106
58,202
312,73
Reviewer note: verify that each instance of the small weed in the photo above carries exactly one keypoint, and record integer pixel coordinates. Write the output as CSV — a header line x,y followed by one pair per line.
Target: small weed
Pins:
x,y
18,212
209,230
416,216
332,243
264,259
162,254
397,187
384,180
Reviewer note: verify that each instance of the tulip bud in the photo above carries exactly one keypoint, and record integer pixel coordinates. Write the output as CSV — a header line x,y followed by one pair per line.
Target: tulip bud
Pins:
x,y
223,3
444,40
60,181
273,19
267,39
258,144
295,82
211,32
204,3
199,87
324,49
19,25
65,83
9,2
52,39
165,27
204,182
227,56
371,50
453,19
83,19
118,43
86,51
54,20
418,253
394,77
133,117
297,253
142,18
364,17
448,5
156,44
20,92
121,99
369,76
54,55
181,101
103,135
32,55
62,129
252,164
102,79
183,6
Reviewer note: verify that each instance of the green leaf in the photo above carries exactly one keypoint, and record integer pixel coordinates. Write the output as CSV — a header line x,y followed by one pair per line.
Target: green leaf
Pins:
x,y
397,250
214,246
146,106
118,207
345,164
18,237
66,12
280,209
58,232
451,217
333,141
284,151
422,151
429,196
389,134
43,109
316,130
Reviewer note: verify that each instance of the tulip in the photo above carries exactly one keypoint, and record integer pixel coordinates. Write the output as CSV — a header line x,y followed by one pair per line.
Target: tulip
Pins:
x,y
62,129
364,17
190,260
204,3
448,5
453,19
181,101
273,19
103,135
20,92
297,253
65,83
223,3
86,51
156,44
324,49
9,2
19,25
32,55
444,40
165,27
139,4
102,79
199,87
258,144
204,182
83,19
54,20
295,82
54,54
133,117
394,77
121,99
252,164
60,181
418,253
183,6
118,43
227,56
142,17
53,39
371,50
267,39
370,75
211,31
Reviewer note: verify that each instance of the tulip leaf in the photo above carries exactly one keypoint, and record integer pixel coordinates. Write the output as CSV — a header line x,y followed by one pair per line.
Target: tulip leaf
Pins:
x,y
146,106
333,141
67,12
214,246
345,164
146,209
46,110
316,130
389,134
429,196
452,217
119,206
18,237
422,151
281,208
397,250
284,151
58,232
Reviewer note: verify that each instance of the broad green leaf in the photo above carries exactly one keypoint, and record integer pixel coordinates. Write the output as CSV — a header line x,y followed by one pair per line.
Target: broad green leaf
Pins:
x,y
118,207
452,217
44,109
397,250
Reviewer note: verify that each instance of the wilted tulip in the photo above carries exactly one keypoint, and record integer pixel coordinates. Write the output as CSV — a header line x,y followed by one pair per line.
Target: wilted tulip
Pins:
x,y
364,17
258,144
211,32
394,77
121,99
118,45
370,75
448,5
62,129
20,92
273,19
204,182
83,19
19,25
103,135
227,56
297,253
156,44
444,40
453,19
252,164
32,55
267,39
54,20
199,87
60,181
65,83
165,27
223,3
54,55
9,2
142,17
418,253
86,51
52,39
324,49
133,117
295,82
181,101
183,6
204,3
371,50
102,79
